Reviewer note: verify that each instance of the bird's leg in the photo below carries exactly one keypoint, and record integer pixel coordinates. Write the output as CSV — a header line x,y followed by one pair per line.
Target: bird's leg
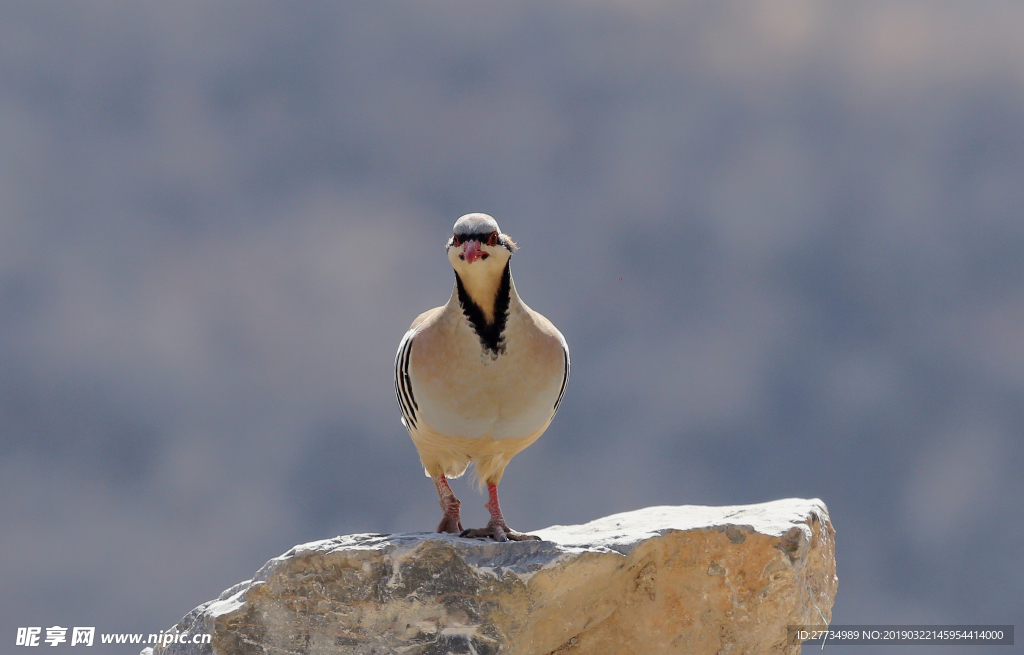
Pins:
x,y
497,527
451,521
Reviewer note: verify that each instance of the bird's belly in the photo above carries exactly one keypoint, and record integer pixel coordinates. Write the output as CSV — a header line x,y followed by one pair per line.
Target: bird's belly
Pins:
x,y
486,400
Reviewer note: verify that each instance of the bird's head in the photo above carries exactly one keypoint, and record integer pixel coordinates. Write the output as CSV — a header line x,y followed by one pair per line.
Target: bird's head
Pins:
x,y
477,247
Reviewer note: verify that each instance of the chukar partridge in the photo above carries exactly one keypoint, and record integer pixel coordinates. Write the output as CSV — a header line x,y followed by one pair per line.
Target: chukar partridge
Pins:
x,y
480,378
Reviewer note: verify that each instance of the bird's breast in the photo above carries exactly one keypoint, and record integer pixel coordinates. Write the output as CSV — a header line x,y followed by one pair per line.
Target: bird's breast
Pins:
x,y
466,390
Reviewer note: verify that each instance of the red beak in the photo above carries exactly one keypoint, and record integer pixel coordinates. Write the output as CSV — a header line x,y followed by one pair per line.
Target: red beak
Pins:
x,y
472,252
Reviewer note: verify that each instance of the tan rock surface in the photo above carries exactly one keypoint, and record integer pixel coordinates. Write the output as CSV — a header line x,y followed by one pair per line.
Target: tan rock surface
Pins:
x,y
686,579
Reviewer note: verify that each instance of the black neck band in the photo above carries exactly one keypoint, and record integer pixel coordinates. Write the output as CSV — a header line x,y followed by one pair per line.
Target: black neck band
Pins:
x,y
492,335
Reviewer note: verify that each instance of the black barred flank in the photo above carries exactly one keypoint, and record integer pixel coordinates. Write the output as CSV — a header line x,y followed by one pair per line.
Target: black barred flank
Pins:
x,y
403,384
492,335
565,376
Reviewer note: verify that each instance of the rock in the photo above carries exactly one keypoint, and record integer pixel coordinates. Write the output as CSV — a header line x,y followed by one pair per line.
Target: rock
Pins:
x,y
686,579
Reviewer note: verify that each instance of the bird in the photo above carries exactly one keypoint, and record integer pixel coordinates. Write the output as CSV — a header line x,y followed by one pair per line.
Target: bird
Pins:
x,y
481,377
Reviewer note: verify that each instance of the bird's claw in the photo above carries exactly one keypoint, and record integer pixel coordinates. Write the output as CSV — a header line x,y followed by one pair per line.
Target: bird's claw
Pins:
x,y
451,520
450,525
498,532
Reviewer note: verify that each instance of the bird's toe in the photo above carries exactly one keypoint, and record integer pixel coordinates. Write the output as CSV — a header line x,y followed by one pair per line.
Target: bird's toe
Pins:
x,y
450,525
494,532
498,532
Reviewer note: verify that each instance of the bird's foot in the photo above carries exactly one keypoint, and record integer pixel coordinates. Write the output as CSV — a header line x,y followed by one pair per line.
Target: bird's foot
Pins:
x,y
499,531
450,525
451,522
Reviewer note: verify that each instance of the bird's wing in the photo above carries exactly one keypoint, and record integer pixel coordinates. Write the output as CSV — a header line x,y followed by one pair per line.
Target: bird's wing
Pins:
x,y
403,384
565,376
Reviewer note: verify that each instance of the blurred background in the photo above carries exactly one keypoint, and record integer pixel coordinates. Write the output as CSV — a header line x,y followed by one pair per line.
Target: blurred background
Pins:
x,y
784,240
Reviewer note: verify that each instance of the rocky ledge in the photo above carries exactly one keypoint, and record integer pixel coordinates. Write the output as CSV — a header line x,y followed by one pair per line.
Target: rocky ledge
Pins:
x,y
686,579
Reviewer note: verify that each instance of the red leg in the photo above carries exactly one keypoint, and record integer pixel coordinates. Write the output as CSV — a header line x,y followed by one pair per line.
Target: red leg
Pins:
x,y
497,527
451,521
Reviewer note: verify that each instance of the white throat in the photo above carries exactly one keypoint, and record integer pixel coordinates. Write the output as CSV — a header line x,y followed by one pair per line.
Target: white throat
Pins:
x,y
481,283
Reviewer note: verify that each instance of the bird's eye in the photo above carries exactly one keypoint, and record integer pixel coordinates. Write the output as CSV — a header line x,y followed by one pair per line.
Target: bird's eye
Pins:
x,y
455,241
492,240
